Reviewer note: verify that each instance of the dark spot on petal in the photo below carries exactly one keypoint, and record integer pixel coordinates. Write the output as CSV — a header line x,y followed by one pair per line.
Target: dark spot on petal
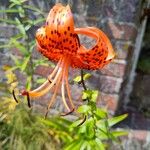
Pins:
x,y
71,34
68,28
65,32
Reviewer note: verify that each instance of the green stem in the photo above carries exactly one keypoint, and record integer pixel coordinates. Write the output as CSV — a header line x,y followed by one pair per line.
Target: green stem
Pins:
x,y
89,103
82,80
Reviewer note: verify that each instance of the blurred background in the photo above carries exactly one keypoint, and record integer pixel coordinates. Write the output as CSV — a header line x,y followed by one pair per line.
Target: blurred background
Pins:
x,y
124,84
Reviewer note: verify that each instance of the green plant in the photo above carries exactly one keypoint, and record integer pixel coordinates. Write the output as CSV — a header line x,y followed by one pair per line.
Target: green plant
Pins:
x,y
95,127
23,129
18,15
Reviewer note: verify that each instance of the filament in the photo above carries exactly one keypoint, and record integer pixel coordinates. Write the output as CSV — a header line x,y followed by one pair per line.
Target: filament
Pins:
x,y
62,86
34,93
67,88
55,92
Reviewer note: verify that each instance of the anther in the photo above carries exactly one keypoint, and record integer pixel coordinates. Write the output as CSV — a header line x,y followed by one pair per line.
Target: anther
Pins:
x,y
84,119
14,96
68,113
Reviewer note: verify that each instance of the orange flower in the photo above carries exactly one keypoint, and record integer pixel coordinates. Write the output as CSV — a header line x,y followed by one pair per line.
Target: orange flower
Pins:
x,y
58,41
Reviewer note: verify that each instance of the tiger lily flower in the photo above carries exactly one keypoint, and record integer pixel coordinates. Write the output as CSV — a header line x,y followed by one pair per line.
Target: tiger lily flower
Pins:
x,y
58,41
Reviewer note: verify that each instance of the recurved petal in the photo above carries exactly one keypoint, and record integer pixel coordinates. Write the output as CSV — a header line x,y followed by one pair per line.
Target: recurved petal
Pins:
x,y
100,54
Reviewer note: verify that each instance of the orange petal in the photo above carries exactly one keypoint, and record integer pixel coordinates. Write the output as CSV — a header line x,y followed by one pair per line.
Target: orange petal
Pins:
x,y
68,40
47,46
58,37
99,55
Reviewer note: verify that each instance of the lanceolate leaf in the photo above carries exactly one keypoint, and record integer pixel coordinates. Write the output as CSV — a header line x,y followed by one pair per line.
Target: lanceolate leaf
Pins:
x,y
10,11
8,21
100,144
34,9
25,62
75,145
84,109
20,26
115,120
119,133
19,46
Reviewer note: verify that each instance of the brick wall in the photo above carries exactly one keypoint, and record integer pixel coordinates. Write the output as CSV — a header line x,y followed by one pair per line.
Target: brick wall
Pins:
x,y
119,19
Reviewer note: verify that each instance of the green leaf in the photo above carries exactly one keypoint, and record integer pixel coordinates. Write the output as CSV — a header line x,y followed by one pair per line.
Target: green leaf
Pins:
x,y
102,135
28,84
40,20
105,124
89,128
119,133
85,77
8,21
90,94
57,123
19,46
41,80
86,94
16,61
100,144
84,109
4,46
75,145
75,123
115,120
24,64
94,95
27,27
77,79
84,145
10,11
33,9
17,2
20,26
22,12
17,37
101,113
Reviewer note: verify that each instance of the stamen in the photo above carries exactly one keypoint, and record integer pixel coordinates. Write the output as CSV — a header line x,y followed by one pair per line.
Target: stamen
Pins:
x,y
46,83
28,100
44,91
63,95
14,96
55,93
68,90
68,113
84,119
65,69
49,80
